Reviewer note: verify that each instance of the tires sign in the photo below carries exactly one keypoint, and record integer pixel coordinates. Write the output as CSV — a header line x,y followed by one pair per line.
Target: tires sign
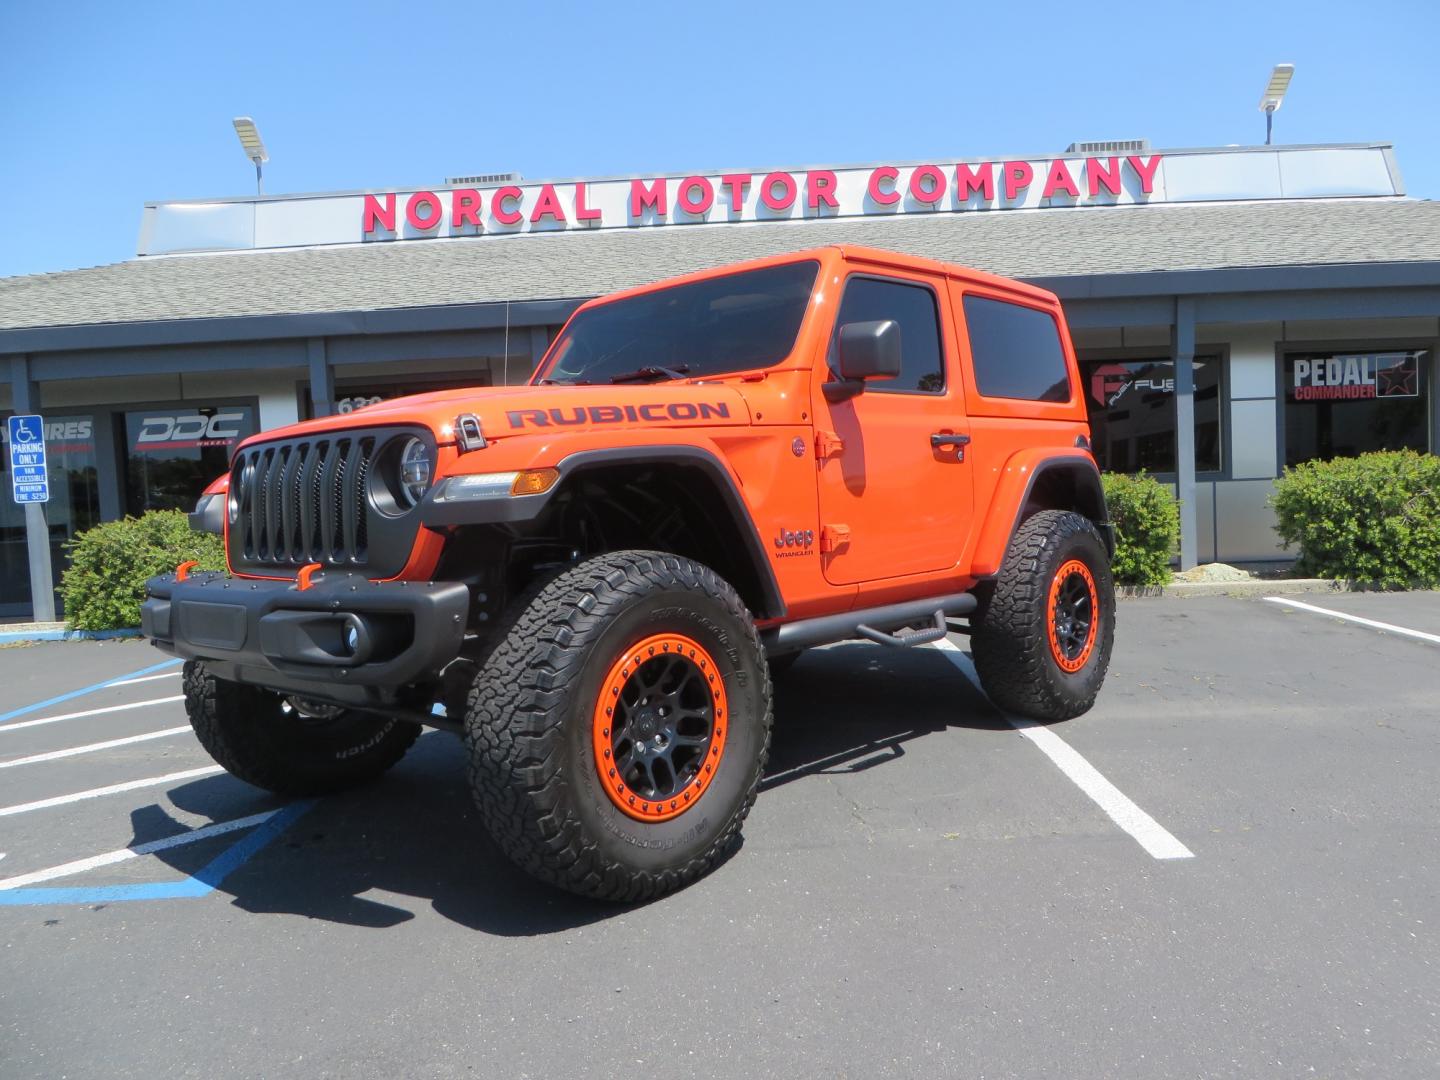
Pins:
x,y
28,481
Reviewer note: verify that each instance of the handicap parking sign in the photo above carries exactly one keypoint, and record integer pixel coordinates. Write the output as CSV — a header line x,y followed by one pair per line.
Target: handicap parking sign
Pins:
x,y
28,481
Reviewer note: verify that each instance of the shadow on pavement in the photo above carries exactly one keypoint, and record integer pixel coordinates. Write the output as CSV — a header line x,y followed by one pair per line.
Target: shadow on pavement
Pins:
x,y
355,857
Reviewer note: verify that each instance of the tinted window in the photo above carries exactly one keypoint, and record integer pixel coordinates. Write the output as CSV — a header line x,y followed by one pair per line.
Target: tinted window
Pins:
x,y
1132,413
1016,351
730,323
912,307
1343,404
172,454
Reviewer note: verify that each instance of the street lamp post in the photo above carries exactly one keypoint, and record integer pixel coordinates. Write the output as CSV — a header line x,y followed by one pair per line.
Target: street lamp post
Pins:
x,y
254,148
1274,95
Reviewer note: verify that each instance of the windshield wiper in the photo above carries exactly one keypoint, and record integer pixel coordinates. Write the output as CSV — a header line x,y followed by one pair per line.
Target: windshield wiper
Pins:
x,y
653,371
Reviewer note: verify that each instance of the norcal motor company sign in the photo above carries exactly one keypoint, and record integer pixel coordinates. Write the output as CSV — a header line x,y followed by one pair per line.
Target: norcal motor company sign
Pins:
x,y
759,196
719,197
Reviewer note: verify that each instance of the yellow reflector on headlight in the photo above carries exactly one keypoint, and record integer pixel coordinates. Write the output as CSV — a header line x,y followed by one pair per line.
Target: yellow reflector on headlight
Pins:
x,y
534,481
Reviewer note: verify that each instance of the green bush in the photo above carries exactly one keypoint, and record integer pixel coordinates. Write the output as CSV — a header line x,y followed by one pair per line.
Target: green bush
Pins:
x,y
1147,528
1373,519
109,564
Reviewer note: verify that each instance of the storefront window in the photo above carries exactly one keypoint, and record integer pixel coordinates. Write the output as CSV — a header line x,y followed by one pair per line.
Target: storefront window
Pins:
x,y
1132,414
1339,404
173,453
74,504
351,395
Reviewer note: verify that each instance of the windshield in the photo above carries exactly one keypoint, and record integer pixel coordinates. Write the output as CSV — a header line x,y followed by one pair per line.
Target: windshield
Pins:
x,y
731,323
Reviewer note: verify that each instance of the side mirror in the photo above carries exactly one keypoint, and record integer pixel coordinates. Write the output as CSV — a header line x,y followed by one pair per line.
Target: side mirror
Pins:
x,y
868,350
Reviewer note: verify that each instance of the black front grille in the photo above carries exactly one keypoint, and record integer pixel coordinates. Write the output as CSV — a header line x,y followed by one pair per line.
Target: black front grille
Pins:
x,y
303,502
308,501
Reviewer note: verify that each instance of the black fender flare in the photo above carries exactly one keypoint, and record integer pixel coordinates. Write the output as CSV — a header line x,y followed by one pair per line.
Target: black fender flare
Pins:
x,y
512,509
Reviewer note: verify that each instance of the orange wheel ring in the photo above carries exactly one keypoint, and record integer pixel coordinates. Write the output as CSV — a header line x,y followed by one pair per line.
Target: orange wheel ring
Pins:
x,y
659,727
1072,615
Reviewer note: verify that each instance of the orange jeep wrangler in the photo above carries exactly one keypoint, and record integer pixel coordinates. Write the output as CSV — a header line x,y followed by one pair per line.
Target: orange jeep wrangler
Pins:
x,y
594,577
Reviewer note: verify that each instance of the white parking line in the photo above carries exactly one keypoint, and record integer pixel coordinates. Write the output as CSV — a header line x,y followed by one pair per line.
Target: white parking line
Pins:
x,y
1146,831
89,712
1388,627
125,854
72,751
147,678
113,789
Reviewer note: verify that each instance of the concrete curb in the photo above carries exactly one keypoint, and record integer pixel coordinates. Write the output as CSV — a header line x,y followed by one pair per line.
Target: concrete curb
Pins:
x,y
52,632
1279,587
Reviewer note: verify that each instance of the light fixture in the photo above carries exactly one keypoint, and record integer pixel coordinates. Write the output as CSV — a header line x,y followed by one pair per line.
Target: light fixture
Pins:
x,y
253,146
1274,95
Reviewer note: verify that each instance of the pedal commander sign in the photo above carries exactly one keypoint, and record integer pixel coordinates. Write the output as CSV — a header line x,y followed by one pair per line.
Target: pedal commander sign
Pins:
x,y
1356,377
760,196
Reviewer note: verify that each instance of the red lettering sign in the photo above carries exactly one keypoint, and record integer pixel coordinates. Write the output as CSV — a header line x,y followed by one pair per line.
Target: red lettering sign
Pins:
x,y
1059,179
548,205
931,193
376,216
497,205
584,212
820,188
464,207
884,196
787,186
981,180
1018,175
692,203
1097,174
653,197
423,211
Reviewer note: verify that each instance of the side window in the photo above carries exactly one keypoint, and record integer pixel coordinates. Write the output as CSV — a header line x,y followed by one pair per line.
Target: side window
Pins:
x,y
1016,351
922,361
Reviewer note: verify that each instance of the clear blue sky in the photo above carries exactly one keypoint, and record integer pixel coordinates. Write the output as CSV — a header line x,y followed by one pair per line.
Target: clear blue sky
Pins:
x,y
106,105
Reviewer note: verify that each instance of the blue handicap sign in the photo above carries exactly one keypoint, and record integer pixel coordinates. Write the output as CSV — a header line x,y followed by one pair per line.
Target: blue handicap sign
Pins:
x,y
28,481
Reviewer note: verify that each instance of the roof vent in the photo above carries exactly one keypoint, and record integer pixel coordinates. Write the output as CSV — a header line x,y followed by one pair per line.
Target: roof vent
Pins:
x,y
483,178
1115,146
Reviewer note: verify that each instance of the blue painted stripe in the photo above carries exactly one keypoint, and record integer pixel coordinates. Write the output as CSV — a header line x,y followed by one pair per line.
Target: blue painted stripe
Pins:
x,y
66,635
201,883
26,710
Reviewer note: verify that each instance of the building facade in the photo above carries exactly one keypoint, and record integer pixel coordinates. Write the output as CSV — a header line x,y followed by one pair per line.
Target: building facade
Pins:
x,y
1235,310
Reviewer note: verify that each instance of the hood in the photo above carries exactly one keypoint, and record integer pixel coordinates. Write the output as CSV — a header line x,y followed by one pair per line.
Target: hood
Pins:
x,y
523,410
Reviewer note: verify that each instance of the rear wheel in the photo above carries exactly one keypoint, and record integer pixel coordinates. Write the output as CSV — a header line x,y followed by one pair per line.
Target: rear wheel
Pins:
x,y
286,744
618,730
1042,639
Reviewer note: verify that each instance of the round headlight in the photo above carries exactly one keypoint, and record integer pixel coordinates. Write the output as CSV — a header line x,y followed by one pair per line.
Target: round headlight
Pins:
x,y
240,482
415,471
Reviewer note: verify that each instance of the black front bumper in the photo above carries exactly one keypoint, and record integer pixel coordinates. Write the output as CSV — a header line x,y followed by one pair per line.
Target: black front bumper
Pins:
x,y
345,636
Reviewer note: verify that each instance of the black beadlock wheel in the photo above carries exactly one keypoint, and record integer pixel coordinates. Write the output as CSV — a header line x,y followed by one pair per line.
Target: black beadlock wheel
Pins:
x,y
618,730
1043,636
288,745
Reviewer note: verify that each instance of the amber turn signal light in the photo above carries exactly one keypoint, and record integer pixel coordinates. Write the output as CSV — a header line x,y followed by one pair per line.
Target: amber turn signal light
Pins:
x,y
534,481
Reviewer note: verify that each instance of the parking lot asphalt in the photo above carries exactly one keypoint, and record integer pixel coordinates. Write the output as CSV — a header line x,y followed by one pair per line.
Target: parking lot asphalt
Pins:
x,y
925,889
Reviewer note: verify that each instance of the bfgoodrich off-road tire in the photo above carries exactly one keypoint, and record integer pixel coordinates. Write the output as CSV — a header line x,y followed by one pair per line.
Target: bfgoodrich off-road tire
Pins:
x,y
618,731
265,740
1042,640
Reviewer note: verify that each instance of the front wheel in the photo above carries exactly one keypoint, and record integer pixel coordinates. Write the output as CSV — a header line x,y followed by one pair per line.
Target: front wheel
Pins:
x,y
618,731
286,744
1042,640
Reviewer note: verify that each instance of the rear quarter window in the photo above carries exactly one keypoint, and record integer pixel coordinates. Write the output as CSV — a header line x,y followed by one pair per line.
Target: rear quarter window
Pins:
x,y
1016,351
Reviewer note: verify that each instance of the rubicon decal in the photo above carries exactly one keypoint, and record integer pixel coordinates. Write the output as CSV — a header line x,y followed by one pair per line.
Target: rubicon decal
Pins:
x,y
615,414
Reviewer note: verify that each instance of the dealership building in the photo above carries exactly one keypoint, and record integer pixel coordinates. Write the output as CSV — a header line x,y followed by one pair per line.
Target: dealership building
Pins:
x,y
1235,310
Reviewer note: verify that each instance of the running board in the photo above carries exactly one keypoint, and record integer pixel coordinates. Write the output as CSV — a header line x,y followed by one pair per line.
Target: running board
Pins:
x,y
874,624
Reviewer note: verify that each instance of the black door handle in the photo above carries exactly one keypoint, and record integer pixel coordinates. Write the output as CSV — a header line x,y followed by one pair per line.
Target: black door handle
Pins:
x,y
938,440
